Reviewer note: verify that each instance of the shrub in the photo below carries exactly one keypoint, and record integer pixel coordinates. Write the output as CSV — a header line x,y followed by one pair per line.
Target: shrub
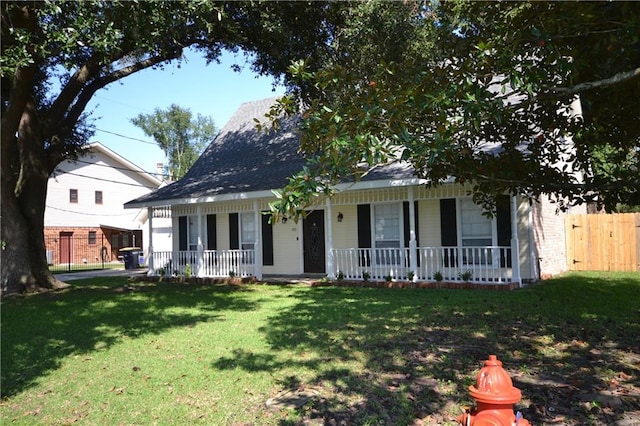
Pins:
x,y
466,275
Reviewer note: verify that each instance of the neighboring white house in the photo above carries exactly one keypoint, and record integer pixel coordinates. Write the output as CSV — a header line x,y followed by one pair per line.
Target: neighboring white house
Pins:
x,y
85,220
389,225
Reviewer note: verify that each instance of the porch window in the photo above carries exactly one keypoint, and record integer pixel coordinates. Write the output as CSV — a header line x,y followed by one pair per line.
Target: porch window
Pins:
x,y
192,232
477,231
247,231
388,232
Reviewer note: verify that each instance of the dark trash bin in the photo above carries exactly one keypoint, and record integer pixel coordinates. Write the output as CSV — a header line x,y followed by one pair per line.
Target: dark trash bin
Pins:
x,y
130,255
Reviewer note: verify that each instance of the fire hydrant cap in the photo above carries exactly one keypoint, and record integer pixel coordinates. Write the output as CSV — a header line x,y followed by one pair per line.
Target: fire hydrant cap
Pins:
x,y
493,384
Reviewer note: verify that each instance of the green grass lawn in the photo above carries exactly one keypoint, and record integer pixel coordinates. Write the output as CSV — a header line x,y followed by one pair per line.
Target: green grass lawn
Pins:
x,y
111,352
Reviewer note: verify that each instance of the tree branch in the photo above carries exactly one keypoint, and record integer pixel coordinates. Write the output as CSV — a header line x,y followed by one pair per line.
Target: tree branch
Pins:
x,y
618,78
86,94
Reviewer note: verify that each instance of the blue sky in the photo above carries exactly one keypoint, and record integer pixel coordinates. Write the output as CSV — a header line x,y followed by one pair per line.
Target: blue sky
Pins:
x,y
212,90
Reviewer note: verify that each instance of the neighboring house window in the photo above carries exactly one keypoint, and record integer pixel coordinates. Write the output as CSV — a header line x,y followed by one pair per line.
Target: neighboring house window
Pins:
x,y
92,237
125,240
73,195
115,241
476,231
98,197
247,231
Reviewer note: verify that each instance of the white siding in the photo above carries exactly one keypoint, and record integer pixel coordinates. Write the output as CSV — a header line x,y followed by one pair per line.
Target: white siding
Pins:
x,y
119,181
287,250
117,186
345,233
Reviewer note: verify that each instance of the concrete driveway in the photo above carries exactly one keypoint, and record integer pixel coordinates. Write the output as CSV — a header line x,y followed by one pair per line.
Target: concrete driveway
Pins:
x,y
79,275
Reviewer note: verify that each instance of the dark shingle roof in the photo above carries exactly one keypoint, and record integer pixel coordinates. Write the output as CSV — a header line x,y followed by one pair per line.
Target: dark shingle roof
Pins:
x,y
243,159
240,159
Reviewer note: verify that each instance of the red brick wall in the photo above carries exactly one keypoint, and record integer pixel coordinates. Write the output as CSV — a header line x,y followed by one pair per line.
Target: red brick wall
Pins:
x,y
65,244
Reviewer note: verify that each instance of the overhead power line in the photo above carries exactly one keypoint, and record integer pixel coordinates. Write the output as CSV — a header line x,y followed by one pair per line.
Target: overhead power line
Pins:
x,y
126,137
133,213
111,181
117,168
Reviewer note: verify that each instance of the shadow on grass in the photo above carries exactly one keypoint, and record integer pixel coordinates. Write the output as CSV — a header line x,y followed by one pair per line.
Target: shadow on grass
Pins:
x,y
38,331
569,344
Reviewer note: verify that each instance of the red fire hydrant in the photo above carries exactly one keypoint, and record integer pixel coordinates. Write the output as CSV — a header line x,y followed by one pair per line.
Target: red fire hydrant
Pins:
x,y
495,396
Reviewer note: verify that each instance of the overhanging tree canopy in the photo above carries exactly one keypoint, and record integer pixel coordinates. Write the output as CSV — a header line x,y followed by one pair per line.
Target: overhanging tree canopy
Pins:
x,y
88,45
493,103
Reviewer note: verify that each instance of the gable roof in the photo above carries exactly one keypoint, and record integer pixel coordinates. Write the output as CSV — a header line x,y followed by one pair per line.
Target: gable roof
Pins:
x,y
243,160
96,148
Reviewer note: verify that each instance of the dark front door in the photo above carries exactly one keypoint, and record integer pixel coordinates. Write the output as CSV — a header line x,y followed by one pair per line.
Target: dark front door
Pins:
x,y
313,239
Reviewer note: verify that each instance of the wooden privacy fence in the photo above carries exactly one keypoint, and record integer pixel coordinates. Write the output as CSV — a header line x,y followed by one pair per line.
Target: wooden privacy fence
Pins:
x,y
603,242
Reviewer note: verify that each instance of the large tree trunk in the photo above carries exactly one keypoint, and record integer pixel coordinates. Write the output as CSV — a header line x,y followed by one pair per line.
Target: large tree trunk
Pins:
x,y
25,175
24,264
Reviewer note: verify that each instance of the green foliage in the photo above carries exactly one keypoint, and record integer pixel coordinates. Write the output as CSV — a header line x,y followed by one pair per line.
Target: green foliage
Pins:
x,y
181,137
466,275
438,276
56,55
490,100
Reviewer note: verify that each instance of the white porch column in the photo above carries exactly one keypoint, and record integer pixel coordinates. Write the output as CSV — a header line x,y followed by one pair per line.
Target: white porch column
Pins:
x,y
151,270
257,249
200,266
515,245
413,245
331,270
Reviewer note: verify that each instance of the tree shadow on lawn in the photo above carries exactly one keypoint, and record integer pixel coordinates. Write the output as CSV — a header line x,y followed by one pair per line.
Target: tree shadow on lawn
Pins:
x,y
574,356
39,331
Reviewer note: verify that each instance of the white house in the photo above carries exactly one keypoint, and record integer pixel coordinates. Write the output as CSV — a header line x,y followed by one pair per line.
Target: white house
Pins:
x,y
85,220
389,225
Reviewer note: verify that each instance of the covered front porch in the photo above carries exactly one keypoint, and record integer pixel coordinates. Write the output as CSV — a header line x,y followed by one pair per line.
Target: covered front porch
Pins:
x,y
374,234
465,264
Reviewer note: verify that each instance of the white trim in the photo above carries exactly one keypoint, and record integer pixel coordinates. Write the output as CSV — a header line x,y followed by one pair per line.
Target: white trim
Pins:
x,y
413,244
207,199
97,147
258,240
149,257
374,184
329,262
515,244
200,248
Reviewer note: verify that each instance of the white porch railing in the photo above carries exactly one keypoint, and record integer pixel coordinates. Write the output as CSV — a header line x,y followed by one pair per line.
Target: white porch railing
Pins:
x,y
214,263
473,264
378,264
